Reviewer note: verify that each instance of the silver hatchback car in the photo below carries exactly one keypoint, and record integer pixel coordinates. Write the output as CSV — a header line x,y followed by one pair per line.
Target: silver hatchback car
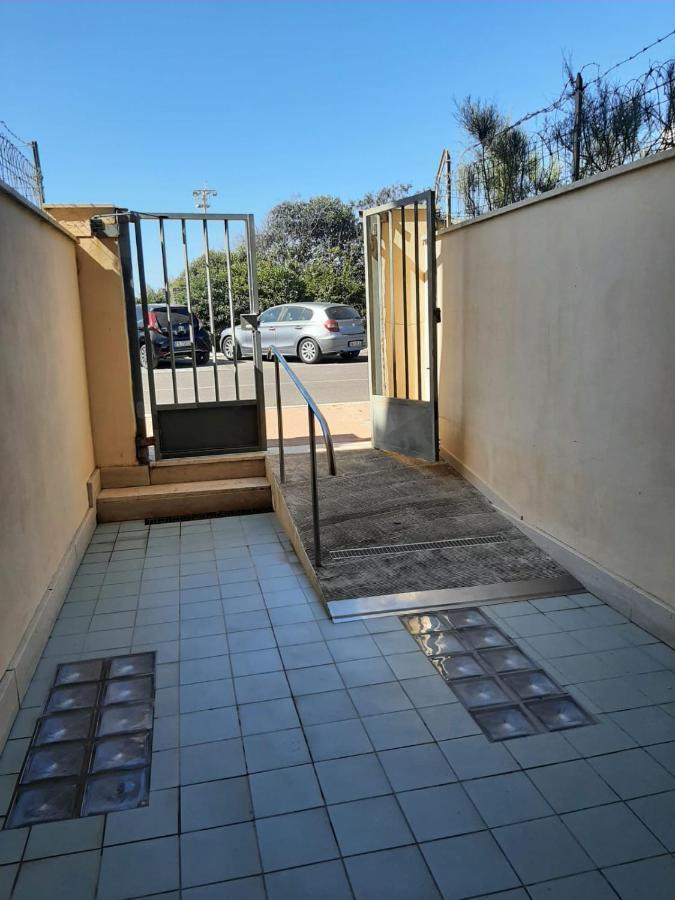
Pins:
x,y
306,330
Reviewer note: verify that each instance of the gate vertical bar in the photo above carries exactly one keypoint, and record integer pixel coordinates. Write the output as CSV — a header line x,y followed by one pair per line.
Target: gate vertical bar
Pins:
x,y
167,298
257,351
432,311
132,337
418,312
140,263
404,297
209,296
280,422
390,226
576,145
188,298
228,264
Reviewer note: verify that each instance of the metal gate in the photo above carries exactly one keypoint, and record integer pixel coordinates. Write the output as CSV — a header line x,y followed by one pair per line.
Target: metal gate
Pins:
x,y
401,298
209,404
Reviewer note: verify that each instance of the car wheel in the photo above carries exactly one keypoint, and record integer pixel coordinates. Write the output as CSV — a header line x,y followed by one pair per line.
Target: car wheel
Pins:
x,y
350,354
202,358
309,351
227,347
144,358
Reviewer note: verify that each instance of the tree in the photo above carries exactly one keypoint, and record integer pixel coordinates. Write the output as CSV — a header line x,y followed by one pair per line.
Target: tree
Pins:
x,y
307,250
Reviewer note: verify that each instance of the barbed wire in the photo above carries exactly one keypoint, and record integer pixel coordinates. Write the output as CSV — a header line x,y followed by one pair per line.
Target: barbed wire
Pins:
x,y
18,171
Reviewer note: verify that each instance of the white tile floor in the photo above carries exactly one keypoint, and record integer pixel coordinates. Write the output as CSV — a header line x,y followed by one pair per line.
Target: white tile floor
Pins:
x,y
294,758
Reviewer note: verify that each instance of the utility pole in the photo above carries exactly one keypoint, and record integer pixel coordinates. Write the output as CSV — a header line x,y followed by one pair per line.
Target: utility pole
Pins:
x,y
202,196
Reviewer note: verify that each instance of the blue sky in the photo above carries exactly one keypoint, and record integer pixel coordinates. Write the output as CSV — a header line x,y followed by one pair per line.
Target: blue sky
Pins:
x,y
139,103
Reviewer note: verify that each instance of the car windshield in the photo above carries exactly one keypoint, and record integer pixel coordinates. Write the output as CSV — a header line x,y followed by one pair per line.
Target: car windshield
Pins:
x,y
342,312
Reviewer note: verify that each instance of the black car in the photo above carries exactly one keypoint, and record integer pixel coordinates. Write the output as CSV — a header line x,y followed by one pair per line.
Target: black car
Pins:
x,y
158,326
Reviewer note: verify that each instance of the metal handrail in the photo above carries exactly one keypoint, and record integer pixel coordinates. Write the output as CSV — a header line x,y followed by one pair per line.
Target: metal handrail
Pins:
x,y
313,412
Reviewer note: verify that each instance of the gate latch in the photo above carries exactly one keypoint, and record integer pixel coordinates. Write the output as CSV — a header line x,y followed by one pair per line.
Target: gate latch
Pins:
x,y
437,315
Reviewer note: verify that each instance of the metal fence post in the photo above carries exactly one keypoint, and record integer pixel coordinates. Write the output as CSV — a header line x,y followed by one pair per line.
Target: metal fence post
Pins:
x,y
576,137
448,189
39,180
315,489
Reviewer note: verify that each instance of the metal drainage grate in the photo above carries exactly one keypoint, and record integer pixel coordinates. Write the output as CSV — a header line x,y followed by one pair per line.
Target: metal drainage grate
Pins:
x,y
395,549
504,691
91,749
196,517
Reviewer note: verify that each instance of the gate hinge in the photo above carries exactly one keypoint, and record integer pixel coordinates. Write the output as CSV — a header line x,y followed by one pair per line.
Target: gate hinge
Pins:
x,y
145,442
437,315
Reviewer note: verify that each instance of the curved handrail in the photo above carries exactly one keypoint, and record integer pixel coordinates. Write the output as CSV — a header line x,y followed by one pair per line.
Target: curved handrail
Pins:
x,y
309,400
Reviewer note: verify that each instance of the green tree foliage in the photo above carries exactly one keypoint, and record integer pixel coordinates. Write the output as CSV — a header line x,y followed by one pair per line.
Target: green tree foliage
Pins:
x,y
307,250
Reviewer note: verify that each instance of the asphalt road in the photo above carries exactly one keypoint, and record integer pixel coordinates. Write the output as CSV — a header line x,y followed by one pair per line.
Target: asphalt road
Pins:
x,y
330,381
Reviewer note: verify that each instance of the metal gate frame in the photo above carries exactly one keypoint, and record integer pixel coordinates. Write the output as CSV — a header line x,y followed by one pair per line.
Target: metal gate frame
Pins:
x,y
401,424
199,428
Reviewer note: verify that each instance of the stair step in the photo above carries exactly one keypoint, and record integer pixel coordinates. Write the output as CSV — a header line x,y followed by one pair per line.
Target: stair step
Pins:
x,y
183,499
207,468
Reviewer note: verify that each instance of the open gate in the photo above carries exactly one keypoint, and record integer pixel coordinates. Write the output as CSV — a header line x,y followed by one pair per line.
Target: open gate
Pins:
x,y
209,404
402,315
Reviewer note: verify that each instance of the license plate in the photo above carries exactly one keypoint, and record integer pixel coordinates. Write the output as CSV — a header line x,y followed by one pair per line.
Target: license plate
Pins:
x,y
356,343
180,345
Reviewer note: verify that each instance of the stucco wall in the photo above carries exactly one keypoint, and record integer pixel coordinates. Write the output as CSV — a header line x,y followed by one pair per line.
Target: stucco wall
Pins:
x,y
46,452
105,335
557,366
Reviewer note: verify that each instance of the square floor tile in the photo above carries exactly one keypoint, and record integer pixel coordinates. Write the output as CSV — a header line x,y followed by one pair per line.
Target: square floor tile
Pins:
x,y
595,740
449,721
399,874
416,767
7,876
69,877
215,803
335,739
13,841
505,799
345,649
475,756
208,762
358,672
158,819
649,878
285,790
352,778
612,694
247,641
468,865
374,699
410,665
428,691
267,686
647,725
658,814
218,854
633,773
275,750
664,754
132,870
541,850
396,729
295,839
195,671
270,715
572,785
315,679
209,725
301,656
439,812
329,706
588,886
300,633
373,824
206,695
612,834
326,880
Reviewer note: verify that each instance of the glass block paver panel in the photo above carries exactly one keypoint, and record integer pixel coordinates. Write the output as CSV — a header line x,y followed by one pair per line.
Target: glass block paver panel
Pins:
x,y
91,748
507,694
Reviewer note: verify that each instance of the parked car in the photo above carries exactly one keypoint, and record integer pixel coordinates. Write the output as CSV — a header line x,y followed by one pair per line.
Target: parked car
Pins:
x,y
306,330
158,326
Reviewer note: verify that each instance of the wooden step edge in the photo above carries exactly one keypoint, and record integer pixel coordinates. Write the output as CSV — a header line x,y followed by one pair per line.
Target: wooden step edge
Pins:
x,y
183,488
201,460
125,506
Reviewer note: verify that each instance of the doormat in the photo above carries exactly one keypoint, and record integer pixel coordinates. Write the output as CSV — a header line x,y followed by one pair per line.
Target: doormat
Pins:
x,y
507,694
91,748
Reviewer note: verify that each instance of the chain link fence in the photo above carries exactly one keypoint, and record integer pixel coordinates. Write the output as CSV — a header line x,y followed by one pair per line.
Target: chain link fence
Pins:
x,y
20,166
592,127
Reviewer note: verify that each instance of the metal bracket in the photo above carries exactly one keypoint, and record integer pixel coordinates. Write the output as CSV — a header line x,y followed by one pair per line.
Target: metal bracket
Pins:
x,y
437,315
251,319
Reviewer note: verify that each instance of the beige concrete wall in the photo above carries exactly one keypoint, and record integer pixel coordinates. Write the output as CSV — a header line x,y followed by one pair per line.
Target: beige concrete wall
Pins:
x,y
46,451
557,366
105,336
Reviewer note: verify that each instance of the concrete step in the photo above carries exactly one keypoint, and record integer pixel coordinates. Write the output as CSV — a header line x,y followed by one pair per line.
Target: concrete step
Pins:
x,y
183,499
207,468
